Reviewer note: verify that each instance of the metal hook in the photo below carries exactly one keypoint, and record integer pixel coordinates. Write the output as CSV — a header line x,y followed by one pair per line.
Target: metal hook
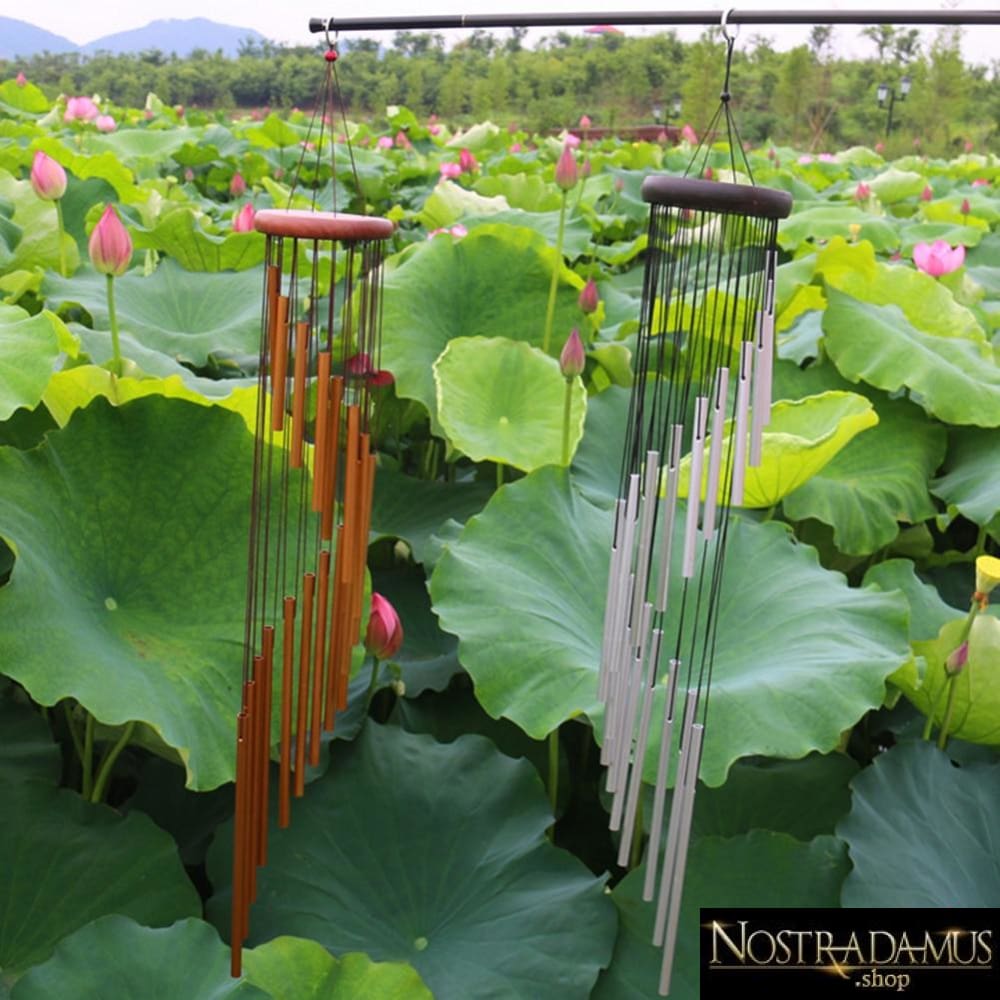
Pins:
x,y
326,32
725,26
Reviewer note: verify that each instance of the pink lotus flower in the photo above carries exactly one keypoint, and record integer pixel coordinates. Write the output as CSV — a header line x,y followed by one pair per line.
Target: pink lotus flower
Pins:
x,y
243,219
457,230
20,79
403,140
938,258
385,631
585,121
237,186
968,145
805,159
434,129
80,109
826,158
862,192
980,182
467,162
589,297
105,123
571,140
688,134
515,147
927,194
384,142
880,148
573,356
188,175
48,179
449,171
110,245
566,174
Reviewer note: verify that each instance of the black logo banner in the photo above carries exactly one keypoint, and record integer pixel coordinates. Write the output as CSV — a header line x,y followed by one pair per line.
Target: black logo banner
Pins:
x,y
851,953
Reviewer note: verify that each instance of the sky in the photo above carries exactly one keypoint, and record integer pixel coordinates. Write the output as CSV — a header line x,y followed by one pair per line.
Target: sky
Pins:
x,y
287,21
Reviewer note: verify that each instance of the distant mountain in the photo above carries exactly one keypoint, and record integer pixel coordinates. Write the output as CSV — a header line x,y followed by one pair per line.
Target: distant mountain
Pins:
x,y
18,38
173,35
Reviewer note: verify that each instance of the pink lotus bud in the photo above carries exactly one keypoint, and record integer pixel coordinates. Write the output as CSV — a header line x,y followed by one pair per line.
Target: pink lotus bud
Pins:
x,y
938,258
359,365
688,134
385,632
467,161
585,168
237,186
880,148
589,297
402,140
968,145
965,207
105,123
20,79
566,172
48,179
957,659
619,184
515,147
188,175
980,182
927,194
573,356
571,140
709,174
862,192
380,378
148,114
434,129
80,109
110,245
450,170
243,219
585,121
384,142
771,154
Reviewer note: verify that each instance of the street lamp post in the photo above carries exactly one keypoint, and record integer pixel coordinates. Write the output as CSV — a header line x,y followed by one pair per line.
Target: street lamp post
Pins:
x,y
885,93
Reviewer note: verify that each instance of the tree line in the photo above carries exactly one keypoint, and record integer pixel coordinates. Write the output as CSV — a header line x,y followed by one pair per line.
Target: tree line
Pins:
x,y
808,97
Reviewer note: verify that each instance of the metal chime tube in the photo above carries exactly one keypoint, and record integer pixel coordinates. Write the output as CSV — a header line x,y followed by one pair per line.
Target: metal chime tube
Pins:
x,y
707,322
308,539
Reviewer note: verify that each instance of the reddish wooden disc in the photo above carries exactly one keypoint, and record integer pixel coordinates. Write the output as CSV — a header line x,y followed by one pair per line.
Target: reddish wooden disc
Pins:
x,y
322,225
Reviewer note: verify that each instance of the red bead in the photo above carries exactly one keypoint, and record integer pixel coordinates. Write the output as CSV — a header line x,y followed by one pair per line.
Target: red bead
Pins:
x,y
330,55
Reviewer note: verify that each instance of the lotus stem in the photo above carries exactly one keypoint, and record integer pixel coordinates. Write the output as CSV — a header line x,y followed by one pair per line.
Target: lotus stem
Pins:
x,y
550,309
116,350
108,764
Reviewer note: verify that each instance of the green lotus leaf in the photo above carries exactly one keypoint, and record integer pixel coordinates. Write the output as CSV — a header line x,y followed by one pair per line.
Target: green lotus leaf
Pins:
x,y
274,131
598,459
27,752
540,552
130,528
295,969
969,481
29,346
826,221
179,235
759,869
577,234
417,509
804,435
69,861
924,300
503,401
184,315
530,192
920,831
432,854
116,956
976,717
492,283
957,379
133,145
894,185
72,389
928,612
39,243
877,481
23,97
449,202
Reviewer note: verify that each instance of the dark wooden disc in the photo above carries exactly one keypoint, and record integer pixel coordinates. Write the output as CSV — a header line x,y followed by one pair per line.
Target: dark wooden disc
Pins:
x,y
322,225
717,196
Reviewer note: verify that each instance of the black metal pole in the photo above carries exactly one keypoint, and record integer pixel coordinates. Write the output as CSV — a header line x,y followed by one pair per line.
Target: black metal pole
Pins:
x,y
674,18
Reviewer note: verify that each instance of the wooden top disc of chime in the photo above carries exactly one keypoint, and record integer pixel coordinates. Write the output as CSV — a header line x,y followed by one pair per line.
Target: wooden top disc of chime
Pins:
x,y
322,225
717,196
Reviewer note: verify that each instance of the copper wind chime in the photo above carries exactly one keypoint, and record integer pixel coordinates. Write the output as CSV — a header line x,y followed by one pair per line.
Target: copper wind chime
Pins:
x,y
320,342
702,386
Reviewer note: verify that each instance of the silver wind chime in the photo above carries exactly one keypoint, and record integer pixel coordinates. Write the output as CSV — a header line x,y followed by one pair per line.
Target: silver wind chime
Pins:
x,y
702,387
